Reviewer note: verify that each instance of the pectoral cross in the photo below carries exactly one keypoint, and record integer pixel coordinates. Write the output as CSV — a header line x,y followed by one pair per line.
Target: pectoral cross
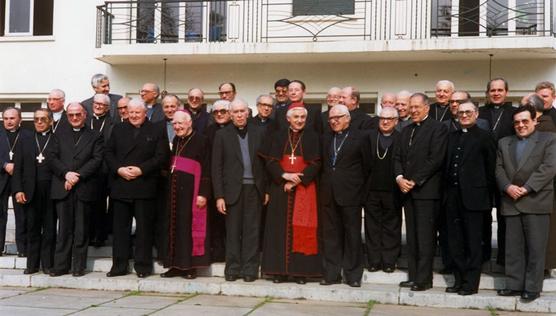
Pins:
x,y
11,155
292,159
40,158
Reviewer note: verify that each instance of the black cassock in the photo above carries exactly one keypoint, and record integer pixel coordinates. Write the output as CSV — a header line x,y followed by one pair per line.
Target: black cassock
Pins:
x,y
193,148
278,255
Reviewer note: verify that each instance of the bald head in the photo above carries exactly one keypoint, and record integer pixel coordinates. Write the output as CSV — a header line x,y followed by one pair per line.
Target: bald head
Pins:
x,y
388,99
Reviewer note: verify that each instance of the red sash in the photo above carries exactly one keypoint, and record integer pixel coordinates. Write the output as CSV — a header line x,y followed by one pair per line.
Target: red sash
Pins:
x,y
304,220
199,215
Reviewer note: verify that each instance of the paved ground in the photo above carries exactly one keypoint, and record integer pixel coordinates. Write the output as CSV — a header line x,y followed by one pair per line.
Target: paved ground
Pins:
x,y
53,301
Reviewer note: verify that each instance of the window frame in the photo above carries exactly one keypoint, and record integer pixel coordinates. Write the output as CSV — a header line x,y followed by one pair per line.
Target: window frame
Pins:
x,y
7,20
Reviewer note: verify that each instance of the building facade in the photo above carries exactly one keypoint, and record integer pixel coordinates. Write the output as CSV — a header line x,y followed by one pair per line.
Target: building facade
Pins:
x,y
377,46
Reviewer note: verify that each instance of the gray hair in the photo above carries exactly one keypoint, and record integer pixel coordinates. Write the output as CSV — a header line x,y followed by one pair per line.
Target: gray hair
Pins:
x,y
59,92
102,98
97,79
342,109
404,94
136,103
11,108
222,103
389,109
185,113
446,83
537,102
77,104
264,96
238,102
171,96
290,111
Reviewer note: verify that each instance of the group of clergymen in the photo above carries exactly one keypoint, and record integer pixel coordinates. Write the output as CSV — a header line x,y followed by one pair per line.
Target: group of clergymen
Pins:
x,y
290,182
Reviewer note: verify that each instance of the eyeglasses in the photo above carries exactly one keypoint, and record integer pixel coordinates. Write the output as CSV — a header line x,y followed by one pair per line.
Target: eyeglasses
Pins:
x,y
387,119
335,118
458,101
265,104
54,99
524,122
219,112
466,113
43,119
75,114
194,98
121,108
281,90
101,104
146,91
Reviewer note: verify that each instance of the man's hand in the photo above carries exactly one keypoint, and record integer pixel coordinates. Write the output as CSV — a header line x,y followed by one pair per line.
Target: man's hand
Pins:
x,y
405,185
288,187
201,201
68,186
221,206
72,177
9,168
515,192
127,173
293,177
266,199
20,198
135,171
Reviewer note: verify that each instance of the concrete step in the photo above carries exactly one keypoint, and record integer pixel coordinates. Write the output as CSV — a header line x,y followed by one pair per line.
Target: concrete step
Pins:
x,y
388,294
488,281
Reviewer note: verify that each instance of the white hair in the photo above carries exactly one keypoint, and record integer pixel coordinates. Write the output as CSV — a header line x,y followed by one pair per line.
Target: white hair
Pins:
x,y
290,111
182,113
391,110
136,103
97,79
238,102
342,109
225,104
102,98
446,83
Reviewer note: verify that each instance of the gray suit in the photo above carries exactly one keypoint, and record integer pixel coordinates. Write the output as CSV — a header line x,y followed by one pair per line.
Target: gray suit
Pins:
x,y
528,217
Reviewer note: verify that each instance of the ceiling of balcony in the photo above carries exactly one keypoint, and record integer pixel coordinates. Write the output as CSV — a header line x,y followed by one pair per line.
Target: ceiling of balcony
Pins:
x,y
331,52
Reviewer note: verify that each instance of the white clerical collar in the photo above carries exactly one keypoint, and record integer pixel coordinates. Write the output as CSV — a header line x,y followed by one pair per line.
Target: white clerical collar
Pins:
x,y
57,115
386,134
98,117
149,106
13,130
45,133
76,129
464,130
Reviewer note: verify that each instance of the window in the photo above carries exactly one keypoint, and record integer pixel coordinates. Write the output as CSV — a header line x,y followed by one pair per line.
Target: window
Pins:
x,y
27,107
26,17
323,7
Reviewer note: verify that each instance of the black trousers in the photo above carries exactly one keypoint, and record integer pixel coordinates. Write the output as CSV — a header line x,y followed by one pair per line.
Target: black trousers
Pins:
x,y
20,225
73,234
99,223
501,232
341,231
124,211
465,238
526,237
243,224
41,228
420,219
383,224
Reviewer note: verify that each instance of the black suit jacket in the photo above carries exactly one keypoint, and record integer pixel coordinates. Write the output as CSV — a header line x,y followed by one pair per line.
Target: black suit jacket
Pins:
x,y
505,125
114,114
227,162
314,119
439,112
25,138
359,120
158,114
371,147
345,183
476,175
85,158
149,151
422,162
62,125
4,159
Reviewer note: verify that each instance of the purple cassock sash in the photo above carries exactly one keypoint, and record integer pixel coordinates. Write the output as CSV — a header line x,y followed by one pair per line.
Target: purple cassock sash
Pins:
x,y
199,215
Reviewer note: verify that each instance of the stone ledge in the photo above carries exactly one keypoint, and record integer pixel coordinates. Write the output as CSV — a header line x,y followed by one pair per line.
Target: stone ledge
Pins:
x,y
387,294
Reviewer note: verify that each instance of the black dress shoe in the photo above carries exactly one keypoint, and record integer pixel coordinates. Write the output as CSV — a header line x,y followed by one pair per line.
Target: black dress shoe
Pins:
x,y
57,273
300,280
529,296
407,284
112,274
173,273
46,270
190,274
142,275
374,267
21,254
30,271
354,283
230,277
508,292
420,287
467,292
278,279
78,273
249,278
453,289
327,282
446,271
388,269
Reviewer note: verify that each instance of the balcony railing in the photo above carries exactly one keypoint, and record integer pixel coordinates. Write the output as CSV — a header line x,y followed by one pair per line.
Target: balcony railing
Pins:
x,y
272,21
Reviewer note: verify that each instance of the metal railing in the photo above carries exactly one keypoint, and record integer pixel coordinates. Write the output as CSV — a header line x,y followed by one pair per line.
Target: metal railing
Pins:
x,y
286,21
